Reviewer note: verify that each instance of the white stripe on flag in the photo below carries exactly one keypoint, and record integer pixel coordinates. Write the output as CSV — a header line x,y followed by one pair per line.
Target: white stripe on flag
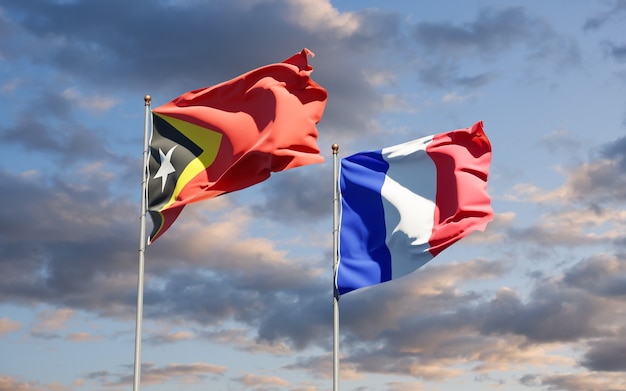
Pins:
x,y
408,195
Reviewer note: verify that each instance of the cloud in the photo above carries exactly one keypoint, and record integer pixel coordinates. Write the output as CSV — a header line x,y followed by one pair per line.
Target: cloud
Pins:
x,y
492,33
585,210
602,275
583,382
615,51
152,374
169,337
224,273
9,86
559,139
256,381
298,196
95,104
54,132
47,262
406,386
52,320
183,372
553,314
321,366
240,339
79,50
8,326
601,180
8,383
505,332
572,227
310,15
598,21
165,63
453,97
616,151
83,337
245,279
607,355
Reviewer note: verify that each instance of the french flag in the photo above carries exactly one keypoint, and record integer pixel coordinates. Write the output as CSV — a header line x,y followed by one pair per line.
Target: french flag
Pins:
x,y
403,205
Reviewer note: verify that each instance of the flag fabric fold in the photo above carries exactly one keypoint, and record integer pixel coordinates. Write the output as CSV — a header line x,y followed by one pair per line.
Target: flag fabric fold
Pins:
x,y
402,205
233,135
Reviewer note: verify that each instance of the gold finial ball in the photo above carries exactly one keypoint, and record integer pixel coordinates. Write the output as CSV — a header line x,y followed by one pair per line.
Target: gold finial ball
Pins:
x,y
147,99
335,147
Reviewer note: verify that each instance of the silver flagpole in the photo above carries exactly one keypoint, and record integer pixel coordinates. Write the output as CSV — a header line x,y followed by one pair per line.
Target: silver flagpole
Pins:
x,y
142,246
335,263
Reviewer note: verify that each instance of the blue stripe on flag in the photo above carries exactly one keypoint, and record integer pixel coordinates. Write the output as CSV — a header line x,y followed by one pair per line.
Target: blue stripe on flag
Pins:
x,y
363,255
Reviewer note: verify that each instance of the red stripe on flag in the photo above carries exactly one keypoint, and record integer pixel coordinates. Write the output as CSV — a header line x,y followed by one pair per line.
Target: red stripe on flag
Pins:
x,y
462,158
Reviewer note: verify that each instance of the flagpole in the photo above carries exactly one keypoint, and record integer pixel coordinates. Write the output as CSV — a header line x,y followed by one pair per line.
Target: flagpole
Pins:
x,y
335,148
142,246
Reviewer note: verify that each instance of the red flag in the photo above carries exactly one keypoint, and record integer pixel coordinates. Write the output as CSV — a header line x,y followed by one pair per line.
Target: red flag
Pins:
x,y
232,135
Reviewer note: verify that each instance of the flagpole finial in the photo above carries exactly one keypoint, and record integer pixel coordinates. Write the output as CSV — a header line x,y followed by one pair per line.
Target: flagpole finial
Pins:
x,y
335,148
147,99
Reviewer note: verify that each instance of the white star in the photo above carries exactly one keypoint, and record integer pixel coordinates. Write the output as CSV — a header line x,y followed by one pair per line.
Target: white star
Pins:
x,y
166,167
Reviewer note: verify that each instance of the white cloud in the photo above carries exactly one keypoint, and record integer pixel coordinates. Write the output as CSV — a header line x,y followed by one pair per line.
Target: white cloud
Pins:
x,y
53,320
453,97
315,15
95,103
10,86
250,380
8,326
83,337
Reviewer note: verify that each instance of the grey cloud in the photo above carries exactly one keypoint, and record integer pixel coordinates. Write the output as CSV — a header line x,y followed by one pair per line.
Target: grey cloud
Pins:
x,y
555,311
599,20
65,245
68,141
616,150
547,239
92,263
446,73
430,329
582,382
552,314
84,41
600,275
153,374
286,303
297,196
559,140
597,183
49,209
82,253
319,365
569,309
475,81
530,380
614,51
492,33
42,335
283,313
77,40
303,320
606,355
49,122
367,312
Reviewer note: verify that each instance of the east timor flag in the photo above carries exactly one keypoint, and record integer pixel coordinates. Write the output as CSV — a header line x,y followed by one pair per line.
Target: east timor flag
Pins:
x,y
233,135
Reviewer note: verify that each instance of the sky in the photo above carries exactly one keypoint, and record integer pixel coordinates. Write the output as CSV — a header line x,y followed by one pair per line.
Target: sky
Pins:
x,y
238,292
